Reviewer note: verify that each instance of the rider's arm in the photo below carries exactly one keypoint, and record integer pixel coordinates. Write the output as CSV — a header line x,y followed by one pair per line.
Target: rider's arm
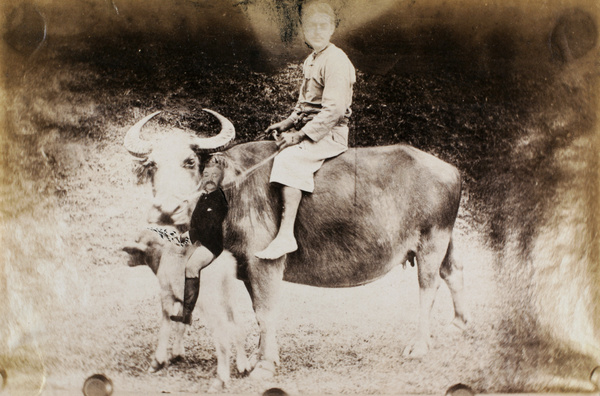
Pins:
x,y
336,99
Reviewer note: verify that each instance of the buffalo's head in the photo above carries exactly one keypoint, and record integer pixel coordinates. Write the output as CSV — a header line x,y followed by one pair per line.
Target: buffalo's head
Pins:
x,y
173,165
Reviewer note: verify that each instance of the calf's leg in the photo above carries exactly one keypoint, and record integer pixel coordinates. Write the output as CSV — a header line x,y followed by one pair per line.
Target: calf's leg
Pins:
x,y
178,348
222,342
241,359
220,312
161,355
170,275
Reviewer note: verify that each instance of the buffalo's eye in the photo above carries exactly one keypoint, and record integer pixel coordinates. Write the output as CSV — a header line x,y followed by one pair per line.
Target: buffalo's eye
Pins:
x,y
189,163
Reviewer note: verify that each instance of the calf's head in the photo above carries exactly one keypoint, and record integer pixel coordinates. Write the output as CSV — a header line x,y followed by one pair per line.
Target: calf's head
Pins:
x,y
145,250
174,168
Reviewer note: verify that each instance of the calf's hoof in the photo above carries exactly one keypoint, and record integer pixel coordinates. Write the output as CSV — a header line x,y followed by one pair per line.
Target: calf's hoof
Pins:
x,y
216,386
156,366
243,365
263,370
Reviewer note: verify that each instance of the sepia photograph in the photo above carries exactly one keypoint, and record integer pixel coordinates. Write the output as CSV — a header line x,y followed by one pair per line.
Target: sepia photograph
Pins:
x,y
299,197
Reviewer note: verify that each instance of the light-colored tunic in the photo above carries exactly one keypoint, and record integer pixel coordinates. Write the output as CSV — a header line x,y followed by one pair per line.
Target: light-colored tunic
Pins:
x,y
325,98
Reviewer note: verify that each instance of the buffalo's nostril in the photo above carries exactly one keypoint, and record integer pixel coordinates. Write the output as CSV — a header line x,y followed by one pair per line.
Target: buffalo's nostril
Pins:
x,y
165,219
168,211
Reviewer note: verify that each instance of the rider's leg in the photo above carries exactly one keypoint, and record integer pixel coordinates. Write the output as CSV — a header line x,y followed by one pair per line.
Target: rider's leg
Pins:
x,y
284,242
199,258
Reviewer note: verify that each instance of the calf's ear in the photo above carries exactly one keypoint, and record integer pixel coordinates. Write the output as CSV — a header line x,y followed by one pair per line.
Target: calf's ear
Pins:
x,y
137,253
143,254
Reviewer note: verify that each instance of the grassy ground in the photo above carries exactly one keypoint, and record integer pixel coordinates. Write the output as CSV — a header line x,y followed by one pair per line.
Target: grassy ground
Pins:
x,y
524,141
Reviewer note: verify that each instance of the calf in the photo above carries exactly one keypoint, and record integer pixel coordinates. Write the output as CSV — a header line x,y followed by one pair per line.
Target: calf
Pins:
x,y
217,288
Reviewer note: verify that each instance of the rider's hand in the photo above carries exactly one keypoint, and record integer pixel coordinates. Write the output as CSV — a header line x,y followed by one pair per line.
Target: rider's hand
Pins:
x,y
289,139
279,127
185,238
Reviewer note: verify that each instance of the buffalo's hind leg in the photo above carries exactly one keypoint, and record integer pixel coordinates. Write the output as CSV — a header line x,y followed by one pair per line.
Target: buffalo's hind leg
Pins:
x,y
429,256
452,272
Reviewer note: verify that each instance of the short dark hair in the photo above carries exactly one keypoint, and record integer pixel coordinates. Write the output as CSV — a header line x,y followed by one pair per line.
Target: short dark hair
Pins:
x,y
215,161
317,7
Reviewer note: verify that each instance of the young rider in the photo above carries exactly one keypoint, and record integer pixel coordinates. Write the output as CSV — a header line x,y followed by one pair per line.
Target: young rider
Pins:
x,y
320,119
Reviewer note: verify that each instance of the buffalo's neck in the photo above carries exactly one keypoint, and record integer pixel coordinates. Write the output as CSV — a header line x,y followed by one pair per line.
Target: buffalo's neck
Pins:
x,y
254,205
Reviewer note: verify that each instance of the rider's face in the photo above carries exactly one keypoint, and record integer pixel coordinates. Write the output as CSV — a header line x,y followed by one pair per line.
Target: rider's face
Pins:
x,y
212,178
318,29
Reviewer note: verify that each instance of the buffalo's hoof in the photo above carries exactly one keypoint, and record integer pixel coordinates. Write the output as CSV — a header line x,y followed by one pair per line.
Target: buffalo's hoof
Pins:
x,y
216,386
156,366
263,370
416,350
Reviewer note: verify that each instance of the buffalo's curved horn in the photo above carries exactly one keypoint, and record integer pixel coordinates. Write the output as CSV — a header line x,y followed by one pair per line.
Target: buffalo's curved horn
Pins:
x,y
134,143
220,141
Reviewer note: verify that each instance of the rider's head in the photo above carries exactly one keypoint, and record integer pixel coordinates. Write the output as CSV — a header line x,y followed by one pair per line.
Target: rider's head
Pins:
x,y
212,176
318,24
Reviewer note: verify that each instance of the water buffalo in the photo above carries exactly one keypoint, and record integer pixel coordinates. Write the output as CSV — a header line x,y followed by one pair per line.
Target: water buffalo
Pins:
x,y
373,209
216,303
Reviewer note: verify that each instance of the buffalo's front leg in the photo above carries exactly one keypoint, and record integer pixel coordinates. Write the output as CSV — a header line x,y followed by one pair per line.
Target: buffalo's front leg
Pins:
x,y
266,277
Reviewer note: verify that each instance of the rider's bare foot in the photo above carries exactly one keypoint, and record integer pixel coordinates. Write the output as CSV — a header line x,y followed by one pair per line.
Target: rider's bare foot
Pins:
x,y
277,248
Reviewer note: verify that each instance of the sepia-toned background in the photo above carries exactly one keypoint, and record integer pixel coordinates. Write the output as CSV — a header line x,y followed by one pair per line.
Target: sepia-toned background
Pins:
x,y
507,91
